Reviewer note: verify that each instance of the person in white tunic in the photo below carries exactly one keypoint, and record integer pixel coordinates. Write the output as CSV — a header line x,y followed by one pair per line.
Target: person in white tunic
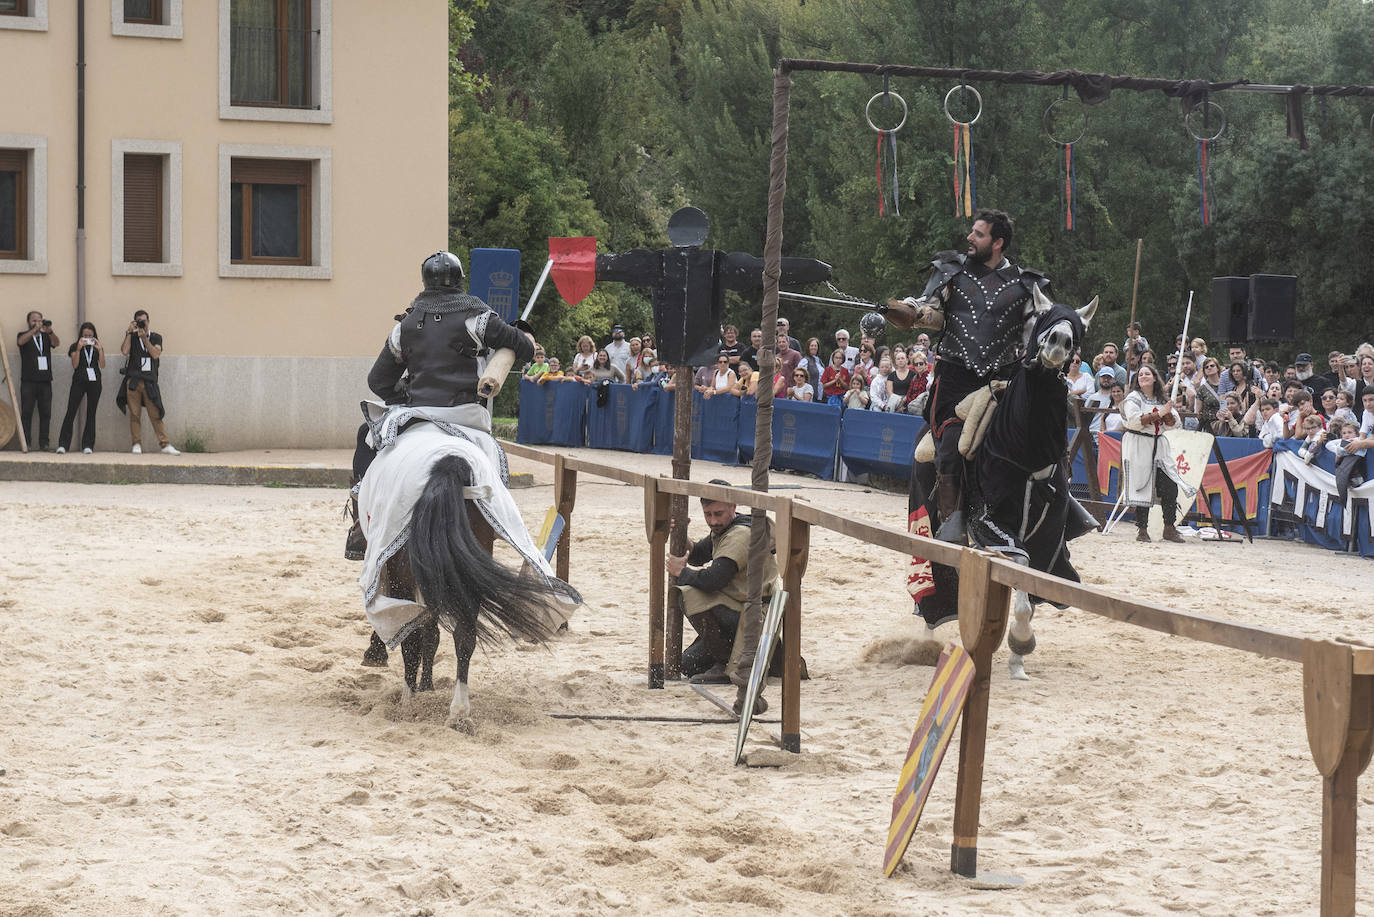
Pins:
x,y
1147,414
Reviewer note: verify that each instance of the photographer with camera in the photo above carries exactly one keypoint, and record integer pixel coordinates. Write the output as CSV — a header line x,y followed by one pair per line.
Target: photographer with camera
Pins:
x,y
36,344
88,359
144,351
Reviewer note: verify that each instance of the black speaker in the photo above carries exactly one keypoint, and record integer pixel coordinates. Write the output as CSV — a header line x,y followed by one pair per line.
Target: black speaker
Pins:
x,y
1273,307
1230,308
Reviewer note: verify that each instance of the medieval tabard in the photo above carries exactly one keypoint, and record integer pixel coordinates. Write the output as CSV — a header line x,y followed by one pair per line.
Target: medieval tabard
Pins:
x,y
986,310
444,341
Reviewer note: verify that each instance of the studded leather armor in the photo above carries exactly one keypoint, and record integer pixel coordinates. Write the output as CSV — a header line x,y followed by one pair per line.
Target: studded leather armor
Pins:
x,y
986,310
443,342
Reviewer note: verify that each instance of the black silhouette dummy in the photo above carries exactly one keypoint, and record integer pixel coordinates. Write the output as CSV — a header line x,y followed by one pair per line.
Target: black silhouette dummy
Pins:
x,y
689,285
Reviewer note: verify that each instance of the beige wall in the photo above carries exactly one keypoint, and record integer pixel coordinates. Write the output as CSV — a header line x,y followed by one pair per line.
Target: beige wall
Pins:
x,y
387,146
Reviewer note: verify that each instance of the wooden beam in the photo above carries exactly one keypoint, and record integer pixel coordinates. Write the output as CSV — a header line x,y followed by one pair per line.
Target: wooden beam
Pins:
x,y
656,518
740,496
883,536
983,606
1247,637
565,498
1338,706
798,552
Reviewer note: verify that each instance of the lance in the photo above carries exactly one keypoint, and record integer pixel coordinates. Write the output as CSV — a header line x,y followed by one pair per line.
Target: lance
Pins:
x,y
859,304
1173,395
901,314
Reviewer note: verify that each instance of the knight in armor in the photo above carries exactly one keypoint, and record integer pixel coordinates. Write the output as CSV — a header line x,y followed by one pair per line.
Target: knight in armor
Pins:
x,y
434,357
983,306
443,341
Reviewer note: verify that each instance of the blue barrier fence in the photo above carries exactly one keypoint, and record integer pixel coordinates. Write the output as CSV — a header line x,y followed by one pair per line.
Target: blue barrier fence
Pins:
x,y
810,437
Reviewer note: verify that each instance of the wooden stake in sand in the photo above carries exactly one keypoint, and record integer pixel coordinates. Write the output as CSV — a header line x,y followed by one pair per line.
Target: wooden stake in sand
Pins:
x,y
14,402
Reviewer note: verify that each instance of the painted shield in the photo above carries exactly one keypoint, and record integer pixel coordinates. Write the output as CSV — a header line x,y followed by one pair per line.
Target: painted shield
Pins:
x,y
944,702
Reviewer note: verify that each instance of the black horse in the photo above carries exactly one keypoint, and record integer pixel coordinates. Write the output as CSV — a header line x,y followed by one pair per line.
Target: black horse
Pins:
x,y
1024,507
1017,496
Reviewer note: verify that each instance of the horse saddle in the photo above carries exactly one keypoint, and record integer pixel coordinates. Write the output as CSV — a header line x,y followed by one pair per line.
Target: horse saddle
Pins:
x,y
976,413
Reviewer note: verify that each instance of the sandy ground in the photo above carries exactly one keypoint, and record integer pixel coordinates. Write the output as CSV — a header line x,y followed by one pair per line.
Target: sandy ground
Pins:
x,y
185,729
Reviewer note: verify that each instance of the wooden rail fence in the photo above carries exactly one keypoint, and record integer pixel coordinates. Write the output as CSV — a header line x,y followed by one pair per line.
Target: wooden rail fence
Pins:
x,y
1338,678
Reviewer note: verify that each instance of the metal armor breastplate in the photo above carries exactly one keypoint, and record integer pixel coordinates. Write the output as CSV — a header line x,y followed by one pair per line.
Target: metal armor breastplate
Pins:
x,y
985,318
440,356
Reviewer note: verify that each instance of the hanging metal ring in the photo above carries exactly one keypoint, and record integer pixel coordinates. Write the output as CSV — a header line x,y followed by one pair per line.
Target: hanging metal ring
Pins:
x,y
954,120
1050,132
869,118
1220,129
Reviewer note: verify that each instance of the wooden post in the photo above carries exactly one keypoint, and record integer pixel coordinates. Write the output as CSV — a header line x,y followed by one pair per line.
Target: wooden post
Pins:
x,y
565,498
983,607
798,549
678,542
1083,442
1339,710
656,517
14,400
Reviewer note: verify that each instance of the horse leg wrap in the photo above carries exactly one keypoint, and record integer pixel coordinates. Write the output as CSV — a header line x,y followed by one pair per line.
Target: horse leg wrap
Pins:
x,y
1020,637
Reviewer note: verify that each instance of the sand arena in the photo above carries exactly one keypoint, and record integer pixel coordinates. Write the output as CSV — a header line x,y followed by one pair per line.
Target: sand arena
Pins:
x,y
185,729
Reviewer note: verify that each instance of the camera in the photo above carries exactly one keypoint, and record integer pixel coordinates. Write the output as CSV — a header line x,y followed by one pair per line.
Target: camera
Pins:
x,y
141,322
47,323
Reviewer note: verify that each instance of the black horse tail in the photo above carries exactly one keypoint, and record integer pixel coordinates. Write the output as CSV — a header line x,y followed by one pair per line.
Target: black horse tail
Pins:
x,y
459,582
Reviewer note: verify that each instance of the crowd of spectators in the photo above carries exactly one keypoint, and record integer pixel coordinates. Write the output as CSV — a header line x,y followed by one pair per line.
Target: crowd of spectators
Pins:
x,y
1234,396
863,376
1241,396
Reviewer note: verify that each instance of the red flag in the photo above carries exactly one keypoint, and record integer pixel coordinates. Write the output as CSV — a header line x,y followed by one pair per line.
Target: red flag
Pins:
x,y
574,266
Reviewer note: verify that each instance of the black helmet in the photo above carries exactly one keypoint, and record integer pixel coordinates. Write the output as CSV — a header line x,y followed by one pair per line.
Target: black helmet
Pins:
x,y
442,271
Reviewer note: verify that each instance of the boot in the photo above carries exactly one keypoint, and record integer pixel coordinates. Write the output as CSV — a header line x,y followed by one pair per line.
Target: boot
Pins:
x,y
949,500
1142,524
1171,533
355,548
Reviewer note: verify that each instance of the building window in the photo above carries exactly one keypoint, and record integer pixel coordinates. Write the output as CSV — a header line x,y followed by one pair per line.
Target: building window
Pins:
x,y
14,203
275,60
143,12
271,52
269,211
145,208
23,204
146,18
275,211
30,15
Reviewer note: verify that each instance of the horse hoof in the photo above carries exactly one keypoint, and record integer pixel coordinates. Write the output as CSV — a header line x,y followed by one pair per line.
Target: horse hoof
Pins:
x,y
1017,668
464,724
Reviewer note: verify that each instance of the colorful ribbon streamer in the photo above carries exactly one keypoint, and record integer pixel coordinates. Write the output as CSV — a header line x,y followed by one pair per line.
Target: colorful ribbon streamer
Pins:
x,y
965,194
882,191
1070,189
1204,205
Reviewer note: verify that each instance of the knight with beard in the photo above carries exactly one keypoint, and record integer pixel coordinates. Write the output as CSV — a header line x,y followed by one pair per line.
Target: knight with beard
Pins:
x,y
983,305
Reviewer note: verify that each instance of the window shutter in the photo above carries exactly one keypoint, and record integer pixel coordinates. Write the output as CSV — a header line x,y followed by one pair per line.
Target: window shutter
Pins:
x,y
271,171
13,160
142,208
